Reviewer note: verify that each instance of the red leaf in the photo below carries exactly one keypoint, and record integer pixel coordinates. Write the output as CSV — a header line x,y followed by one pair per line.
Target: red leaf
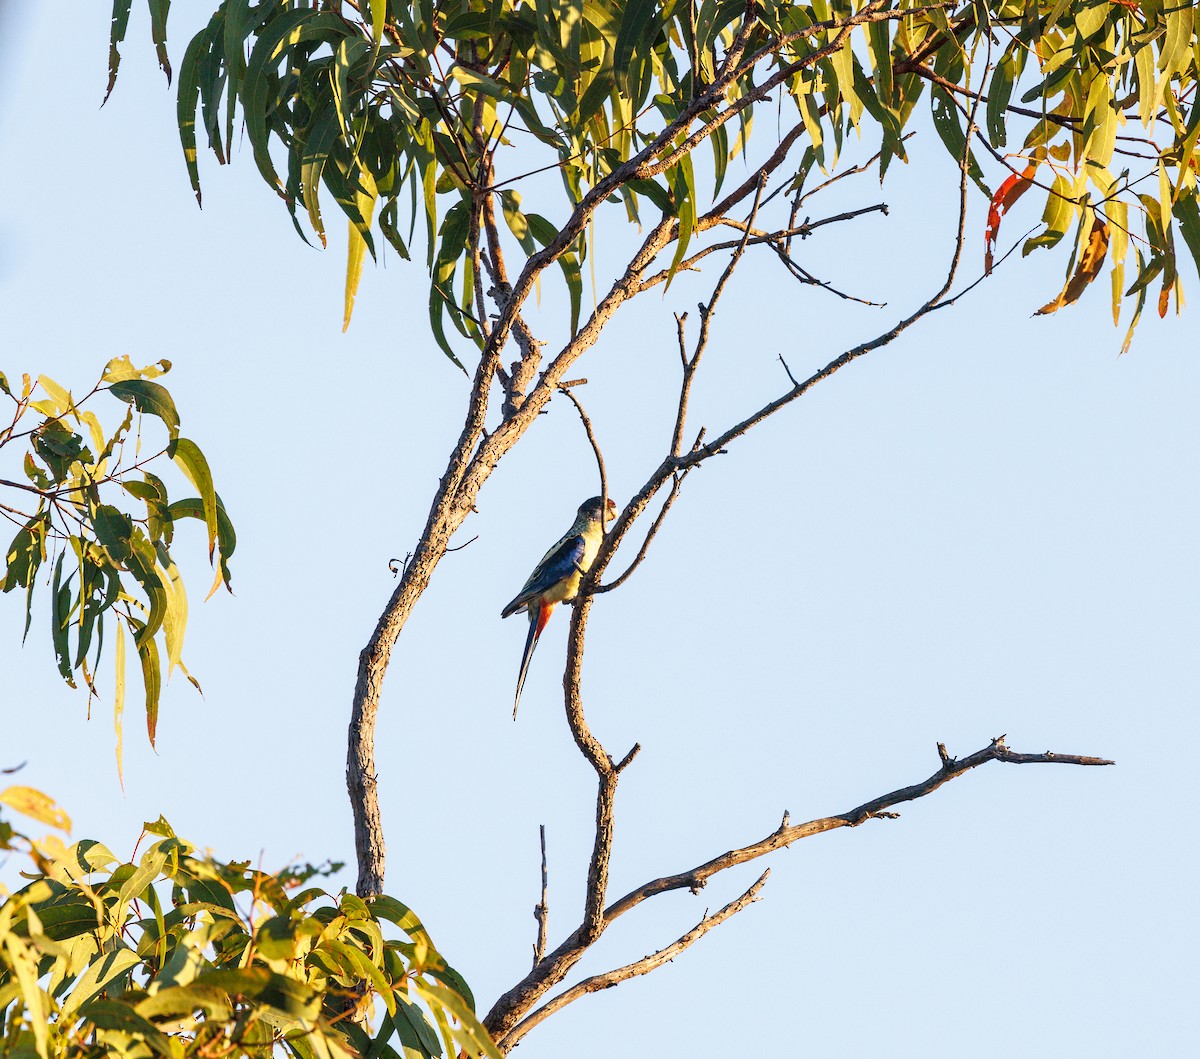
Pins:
x,y
1164,298
1006,194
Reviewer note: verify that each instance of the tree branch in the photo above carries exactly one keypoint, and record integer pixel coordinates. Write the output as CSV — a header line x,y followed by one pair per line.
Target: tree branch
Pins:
x,y
951,768
541,911
591,436
507,1012
632,970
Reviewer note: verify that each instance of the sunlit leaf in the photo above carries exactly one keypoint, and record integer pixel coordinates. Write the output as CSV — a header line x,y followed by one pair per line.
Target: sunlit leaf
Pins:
x,y
1090,263
36,805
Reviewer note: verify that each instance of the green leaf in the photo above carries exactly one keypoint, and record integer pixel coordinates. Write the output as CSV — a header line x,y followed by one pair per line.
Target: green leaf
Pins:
x,y
545,233
193,507
517,222
159,10
102,972
68,918
26,553
1059,215
114,530
999,95
638,26
288,996
1187,213
120,25
378,9
188,102
455,230
181,1001
317,144
683,191
191,461
949,127
147,650
60,615
413,1028
283,31
149,397
115,1015
470,1031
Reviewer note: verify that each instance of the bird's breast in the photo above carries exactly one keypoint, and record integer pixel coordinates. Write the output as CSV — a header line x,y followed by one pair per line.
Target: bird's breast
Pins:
x,y
564,589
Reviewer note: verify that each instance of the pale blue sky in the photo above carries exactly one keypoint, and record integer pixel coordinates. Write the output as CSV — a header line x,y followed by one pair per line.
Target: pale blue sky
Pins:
x,y
988,527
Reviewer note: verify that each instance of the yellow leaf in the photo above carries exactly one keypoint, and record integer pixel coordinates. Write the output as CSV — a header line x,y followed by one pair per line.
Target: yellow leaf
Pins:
x,y
175,620
357,245
24,968
60,397
354,263
119,699
121,369
35,804
1090,263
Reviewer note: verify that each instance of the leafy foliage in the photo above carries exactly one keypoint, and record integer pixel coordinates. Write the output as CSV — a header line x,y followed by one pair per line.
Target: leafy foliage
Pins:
x,y
103,524
405,112
178,955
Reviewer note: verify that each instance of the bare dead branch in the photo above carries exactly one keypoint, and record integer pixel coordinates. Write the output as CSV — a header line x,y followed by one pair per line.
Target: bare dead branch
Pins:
x,y
632,970
508,1011
690,364
757,237
791,377
624,763
541,911
681,336
591,436
676,482
804,276
937,301
951,768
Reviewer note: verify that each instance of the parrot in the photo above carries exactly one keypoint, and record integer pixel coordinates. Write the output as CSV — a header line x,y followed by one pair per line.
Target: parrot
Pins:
x,y
556,578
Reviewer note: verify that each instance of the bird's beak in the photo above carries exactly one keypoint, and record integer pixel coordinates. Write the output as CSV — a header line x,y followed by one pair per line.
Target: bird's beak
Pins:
x,y
611,513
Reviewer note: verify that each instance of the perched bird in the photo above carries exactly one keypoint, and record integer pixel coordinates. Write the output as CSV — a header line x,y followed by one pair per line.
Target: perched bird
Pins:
x,y
556,578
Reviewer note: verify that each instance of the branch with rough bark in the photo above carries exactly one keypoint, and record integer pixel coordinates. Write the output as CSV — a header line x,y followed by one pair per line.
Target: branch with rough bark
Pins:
x,y
517,1011
514,1008
632,970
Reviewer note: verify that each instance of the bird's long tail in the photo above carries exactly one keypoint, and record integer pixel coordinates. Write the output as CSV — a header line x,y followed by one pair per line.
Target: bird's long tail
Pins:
x,y
537,622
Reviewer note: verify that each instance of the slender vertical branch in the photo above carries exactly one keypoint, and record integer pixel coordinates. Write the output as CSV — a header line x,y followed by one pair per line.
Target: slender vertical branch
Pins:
x,y
541,911
591,436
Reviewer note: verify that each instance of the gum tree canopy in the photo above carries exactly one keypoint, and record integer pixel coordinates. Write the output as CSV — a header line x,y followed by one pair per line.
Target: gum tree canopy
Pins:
x,y
494,137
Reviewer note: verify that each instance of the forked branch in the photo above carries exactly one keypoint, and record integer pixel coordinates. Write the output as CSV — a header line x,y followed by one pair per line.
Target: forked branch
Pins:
x,y
507,1022
632,970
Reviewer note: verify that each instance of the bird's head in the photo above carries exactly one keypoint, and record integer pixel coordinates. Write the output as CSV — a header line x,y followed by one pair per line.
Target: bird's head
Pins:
x,y
590,509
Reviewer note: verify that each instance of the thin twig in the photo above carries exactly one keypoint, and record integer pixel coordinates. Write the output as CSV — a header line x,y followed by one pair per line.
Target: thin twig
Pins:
x,y
676,482
541,911
690,364
591,436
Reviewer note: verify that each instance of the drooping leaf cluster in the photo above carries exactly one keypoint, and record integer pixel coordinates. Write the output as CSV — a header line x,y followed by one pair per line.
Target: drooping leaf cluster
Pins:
x,y
175,955
428,111
97,524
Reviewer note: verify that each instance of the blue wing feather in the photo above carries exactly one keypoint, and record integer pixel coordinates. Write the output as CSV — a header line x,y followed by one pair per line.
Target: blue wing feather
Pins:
x,y
559,563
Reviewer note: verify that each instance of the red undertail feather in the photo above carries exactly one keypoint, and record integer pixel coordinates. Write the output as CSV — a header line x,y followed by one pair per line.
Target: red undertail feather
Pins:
x,y
537,622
